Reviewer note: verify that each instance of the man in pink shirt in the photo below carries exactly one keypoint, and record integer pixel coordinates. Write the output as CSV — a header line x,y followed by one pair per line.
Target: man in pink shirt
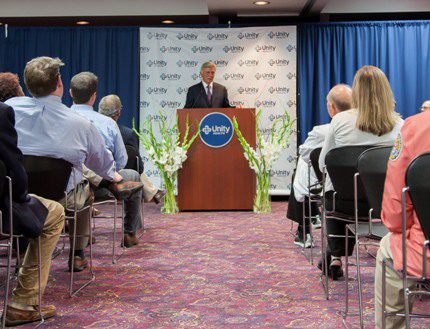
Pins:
x,y
413,140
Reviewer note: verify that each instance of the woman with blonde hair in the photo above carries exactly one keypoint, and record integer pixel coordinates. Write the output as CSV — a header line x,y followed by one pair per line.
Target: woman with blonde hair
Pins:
x,y
371,121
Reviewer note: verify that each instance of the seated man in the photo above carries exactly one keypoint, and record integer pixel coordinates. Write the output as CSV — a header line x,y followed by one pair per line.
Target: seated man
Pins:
x,y
83,89
412,141
37,217
9,86
111,107
46,127
339,99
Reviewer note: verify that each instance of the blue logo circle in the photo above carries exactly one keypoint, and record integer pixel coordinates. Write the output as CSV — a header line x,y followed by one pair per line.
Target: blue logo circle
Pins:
x,y
216,130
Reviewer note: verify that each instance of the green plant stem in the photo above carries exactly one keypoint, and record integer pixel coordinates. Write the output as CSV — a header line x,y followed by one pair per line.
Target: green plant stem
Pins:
x,y
170,206
262,199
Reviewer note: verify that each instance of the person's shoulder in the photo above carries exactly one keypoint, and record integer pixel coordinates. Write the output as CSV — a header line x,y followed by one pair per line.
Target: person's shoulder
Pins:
x,y
218,85
417,121
4,108
196,86
345,116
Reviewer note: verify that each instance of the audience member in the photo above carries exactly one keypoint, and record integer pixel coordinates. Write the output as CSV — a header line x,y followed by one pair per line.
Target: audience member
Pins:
x,y
411,142
111,106
36,217
83,89
338,100
9,86
425,106
372,121
46,127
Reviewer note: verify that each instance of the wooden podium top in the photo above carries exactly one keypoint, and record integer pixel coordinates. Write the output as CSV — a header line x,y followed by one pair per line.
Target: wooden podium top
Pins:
x,y
217,178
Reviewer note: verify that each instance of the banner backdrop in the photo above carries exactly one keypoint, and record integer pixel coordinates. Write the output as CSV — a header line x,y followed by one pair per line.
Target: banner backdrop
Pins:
x,y
257,65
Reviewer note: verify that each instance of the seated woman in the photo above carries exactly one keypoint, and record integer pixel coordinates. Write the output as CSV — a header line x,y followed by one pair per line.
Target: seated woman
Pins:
x,y
371,121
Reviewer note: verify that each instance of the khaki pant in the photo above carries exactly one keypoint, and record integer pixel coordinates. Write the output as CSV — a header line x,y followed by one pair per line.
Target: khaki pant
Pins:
x,y
394,289
26,291
149,190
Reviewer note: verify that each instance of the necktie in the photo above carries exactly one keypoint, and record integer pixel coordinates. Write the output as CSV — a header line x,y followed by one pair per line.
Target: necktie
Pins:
x,y
209,94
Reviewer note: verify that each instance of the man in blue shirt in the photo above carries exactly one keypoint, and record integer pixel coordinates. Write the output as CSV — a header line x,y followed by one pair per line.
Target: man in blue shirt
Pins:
x,y
83,89
48,128
110,106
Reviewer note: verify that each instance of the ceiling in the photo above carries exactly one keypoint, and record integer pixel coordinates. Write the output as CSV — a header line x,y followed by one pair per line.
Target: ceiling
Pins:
x,y
142,12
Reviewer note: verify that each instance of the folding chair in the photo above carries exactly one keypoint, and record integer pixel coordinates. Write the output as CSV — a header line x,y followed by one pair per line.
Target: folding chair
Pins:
x,y
372,168
341,166
418,187
48,177
8,235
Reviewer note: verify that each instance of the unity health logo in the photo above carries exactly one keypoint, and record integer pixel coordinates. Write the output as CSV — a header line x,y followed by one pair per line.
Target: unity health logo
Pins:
x,y
216,130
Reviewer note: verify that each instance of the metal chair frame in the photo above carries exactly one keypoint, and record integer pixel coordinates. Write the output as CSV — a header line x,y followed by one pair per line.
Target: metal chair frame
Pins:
x,y
9,245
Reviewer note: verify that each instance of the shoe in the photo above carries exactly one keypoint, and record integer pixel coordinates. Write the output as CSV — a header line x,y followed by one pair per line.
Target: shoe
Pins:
x,y
79,264
299,241
316,222
336,268
123,190
130,240
159,196
16,317
96,212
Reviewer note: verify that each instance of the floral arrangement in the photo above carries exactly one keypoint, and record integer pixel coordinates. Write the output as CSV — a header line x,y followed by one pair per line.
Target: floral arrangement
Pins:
x,y
168,153
267,152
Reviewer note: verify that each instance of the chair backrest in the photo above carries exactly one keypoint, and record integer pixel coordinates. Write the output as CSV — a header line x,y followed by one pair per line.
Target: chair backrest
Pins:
x,y
372,166
3,174
47,177
341,166
132,162
418,180
314,157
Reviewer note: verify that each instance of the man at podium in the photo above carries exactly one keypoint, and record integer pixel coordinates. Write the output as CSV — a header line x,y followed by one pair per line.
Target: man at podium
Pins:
x,y
207,94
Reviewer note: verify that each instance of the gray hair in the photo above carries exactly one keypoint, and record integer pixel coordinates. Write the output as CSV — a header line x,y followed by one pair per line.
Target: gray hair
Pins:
x,y
206,65
425,106
341,96
110,106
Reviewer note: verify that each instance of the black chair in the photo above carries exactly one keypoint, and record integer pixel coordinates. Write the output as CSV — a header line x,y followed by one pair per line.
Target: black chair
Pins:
x,y
48,178
372,168
418,187
133,158
314,157
346,201
7,235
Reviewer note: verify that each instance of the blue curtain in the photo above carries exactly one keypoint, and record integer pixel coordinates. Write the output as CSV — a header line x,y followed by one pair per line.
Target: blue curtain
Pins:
x,y
112,53
331,53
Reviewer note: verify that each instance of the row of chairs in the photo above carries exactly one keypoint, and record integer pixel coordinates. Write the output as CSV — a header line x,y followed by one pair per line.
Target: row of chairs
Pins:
x,y
358,175
48,178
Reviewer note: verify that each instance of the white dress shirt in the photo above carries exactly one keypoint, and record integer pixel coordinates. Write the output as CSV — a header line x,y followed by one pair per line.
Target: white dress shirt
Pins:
x,y
344,132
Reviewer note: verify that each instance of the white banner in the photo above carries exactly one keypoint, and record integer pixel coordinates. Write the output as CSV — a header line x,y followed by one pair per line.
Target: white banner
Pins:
x,y
257,65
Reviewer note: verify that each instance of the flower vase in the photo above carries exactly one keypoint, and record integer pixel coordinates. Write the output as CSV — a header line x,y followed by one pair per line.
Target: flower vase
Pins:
x,y
170,206
262,199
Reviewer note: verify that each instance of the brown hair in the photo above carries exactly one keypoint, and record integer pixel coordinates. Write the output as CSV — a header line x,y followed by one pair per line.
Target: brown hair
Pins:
x,y
41,75
9,86
373,98
83,86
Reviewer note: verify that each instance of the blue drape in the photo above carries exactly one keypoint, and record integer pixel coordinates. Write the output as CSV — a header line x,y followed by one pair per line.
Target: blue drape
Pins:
x,y
331,53
112,53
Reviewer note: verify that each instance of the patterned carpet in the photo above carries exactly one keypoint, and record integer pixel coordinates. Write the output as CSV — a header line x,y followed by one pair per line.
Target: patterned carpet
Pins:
x,y
204,270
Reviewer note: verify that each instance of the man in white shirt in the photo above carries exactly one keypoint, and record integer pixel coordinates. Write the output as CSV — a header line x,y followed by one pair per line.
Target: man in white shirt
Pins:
x,y
339,99
207,93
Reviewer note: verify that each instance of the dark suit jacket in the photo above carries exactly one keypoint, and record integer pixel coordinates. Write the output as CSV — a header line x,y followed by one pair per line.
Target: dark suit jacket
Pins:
x,y
130,138
29,214
197,97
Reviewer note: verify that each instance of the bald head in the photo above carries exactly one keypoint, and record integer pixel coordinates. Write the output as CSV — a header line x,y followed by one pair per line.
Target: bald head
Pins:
x,y
339,99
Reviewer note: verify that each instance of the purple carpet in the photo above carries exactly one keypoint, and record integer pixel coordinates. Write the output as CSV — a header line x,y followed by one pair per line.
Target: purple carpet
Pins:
x,y
205,270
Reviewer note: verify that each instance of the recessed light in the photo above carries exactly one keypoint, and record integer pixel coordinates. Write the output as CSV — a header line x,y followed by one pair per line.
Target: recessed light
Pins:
x,y
167,21
1,23
82,23
261,3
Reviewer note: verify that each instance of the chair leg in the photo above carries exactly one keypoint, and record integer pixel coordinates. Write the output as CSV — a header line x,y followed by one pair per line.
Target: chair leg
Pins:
x,y
39,277
323,254
7,286
360,288
114,257
346,272
384,293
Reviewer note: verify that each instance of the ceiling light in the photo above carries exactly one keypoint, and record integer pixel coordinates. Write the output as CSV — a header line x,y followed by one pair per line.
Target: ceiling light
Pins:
x,y
261,3
82,23
167,21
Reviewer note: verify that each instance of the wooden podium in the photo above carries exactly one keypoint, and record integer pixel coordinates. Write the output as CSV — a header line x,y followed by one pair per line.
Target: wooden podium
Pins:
x,y
217,178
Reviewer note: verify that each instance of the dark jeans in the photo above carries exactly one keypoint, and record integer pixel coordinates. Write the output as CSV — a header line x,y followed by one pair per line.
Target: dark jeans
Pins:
x,y
295,211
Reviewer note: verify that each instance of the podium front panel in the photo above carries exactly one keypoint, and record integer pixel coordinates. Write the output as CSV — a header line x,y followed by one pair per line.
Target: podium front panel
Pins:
x,y
217,178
